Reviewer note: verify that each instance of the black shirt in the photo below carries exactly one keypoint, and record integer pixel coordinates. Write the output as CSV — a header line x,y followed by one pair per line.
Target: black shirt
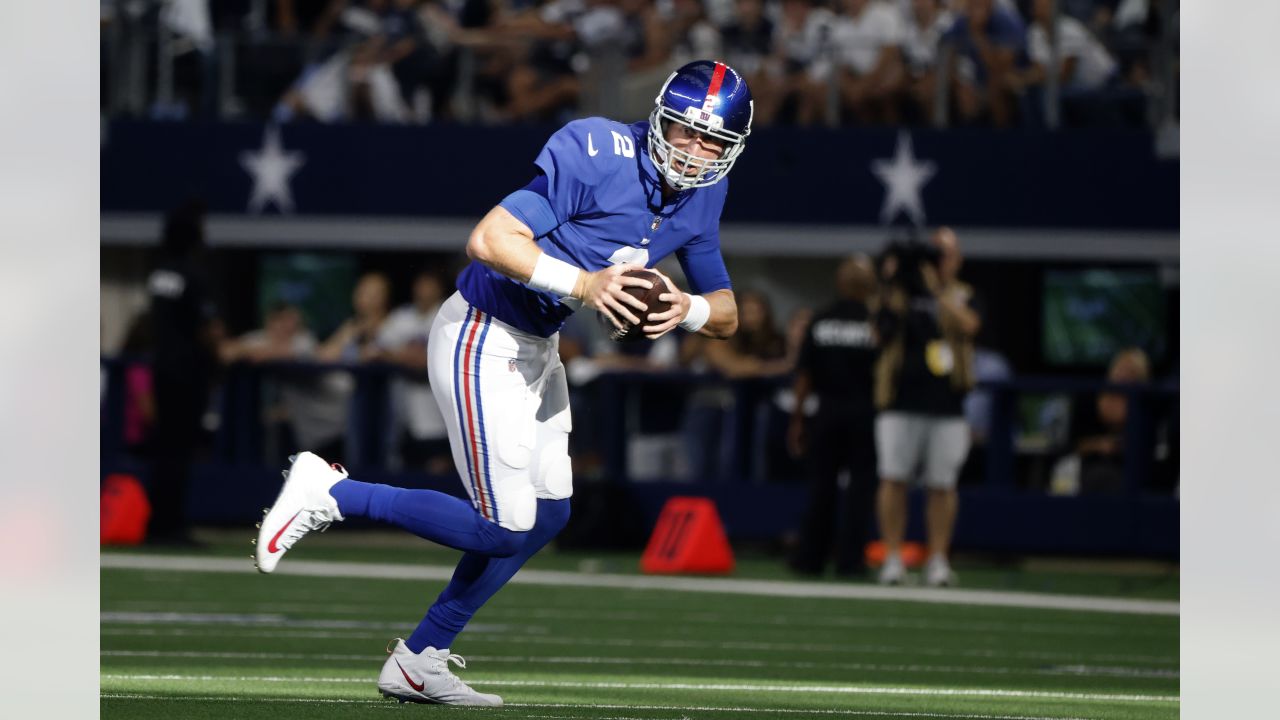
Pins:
x,y
180,313
839,353
924,381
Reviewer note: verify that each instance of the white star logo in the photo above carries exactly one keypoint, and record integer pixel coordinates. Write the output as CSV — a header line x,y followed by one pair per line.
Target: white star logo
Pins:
x,y
271,168
903,178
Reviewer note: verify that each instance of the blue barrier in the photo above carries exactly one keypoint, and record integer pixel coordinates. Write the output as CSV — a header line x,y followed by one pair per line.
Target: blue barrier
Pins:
x,y
999,513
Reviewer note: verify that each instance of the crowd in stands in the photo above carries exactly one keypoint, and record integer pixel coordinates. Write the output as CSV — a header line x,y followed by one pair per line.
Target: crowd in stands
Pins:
x,y
808,62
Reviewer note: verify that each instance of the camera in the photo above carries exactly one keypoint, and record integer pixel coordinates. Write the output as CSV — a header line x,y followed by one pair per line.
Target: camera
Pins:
x,y
910,255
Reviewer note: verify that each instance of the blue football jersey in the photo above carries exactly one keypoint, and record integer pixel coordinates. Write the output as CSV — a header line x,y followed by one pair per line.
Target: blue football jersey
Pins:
x,y
606,207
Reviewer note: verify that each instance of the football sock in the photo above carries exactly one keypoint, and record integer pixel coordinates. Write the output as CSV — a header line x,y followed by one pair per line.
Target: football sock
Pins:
x,y
438,517
478,577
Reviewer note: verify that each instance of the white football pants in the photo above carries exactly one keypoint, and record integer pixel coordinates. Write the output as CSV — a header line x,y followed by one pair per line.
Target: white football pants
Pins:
x,y
505,400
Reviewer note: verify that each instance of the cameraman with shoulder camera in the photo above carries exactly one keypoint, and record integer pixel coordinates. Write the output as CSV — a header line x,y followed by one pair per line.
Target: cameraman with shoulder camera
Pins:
x,y
926,325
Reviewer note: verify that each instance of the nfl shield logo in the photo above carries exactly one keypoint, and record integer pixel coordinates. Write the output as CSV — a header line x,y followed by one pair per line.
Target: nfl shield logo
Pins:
x,y
511,365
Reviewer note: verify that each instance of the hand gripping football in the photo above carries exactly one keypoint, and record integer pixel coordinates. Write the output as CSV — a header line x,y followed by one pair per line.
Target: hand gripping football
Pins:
x,y
648,297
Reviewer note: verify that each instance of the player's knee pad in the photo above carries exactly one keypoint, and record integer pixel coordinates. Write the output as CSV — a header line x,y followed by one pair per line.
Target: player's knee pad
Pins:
x,y
519,503
555,476
514,447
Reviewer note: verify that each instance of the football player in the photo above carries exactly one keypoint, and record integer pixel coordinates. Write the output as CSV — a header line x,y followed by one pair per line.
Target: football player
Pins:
x,y
606,198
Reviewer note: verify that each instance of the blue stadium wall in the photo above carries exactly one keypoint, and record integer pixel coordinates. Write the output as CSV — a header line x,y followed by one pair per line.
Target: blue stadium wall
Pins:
x,y
1025,179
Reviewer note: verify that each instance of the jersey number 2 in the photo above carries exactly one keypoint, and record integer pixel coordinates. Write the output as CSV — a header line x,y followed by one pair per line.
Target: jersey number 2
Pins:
x,y
623,145
637,255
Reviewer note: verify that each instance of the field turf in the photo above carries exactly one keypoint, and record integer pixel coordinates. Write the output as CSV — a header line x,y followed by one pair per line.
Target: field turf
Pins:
x,y
196,644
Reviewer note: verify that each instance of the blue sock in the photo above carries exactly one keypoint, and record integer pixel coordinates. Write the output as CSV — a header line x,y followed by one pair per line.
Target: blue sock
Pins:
x,y
478,577
428,514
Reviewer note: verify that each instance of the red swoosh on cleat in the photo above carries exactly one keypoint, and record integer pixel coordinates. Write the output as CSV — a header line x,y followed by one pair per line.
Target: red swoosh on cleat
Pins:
x,y
412,684
271,546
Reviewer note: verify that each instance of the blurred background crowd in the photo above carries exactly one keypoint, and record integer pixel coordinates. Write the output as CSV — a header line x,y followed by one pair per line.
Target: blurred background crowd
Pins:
x,y
809,62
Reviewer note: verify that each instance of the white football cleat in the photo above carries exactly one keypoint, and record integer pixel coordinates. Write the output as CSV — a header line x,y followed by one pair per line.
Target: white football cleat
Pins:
x,y
893,572
937,572
304,505
426,678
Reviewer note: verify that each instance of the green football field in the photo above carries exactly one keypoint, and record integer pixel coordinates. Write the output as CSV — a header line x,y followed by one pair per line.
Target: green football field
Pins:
x,y
201,635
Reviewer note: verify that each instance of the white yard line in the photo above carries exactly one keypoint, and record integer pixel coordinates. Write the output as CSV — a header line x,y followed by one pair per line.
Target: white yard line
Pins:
x,y
728,687
769,588
478,634
1068,670
797,711
566,706
206,612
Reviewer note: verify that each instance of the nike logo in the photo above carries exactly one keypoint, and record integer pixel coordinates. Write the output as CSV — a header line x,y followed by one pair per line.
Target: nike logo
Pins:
x,y
591,148
271,546
412,684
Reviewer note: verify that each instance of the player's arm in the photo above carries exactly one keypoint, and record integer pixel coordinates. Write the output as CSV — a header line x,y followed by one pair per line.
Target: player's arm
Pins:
x,y
711,309
714,314
505,243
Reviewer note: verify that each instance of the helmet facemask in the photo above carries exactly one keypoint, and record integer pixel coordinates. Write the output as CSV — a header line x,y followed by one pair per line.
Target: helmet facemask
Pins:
x,y
673,163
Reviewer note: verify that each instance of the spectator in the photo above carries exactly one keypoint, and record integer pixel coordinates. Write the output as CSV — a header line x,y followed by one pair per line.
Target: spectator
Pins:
x,y
1098,433
747,39
423,438
747,43
925,22
1084,66
989,365
926,326
282,337
356,80
801,36
542,80
758,351
987,41
835,364
186,332
424,70
139,386
356,339
866,40
310,406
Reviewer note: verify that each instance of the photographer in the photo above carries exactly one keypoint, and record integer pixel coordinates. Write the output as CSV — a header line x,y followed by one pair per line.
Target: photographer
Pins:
x,y
926,324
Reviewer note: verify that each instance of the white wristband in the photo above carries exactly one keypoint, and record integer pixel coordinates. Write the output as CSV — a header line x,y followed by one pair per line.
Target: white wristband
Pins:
x,y
554,275
699,314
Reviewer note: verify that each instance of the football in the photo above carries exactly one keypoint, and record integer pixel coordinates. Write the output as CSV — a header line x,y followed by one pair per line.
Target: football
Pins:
x,y
648,297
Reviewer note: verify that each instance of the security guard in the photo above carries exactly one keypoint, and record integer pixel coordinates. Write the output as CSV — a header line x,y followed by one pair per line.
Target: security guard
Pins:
x,y
185,331
836,363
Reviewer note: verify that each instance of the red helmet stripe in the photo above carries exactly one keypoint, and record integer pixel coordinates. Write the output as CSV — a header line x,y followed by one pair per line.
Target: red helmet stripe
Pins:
x,y
717,77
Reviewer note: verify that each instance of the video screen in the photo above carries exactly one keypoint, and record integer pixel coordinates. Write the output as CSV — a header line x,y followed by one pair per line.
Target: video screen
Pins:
x,y
1088,315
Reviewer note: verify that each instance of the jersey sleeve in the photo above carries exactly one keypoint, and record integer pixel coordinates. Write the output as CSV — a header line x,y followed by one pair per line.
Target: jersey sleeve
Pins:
x,y
703,265
574,164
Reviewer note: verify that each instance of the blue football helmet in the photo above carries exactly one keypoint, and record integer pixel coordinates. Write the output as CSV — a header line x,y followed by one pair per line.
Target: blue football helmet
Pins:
x,y
709,97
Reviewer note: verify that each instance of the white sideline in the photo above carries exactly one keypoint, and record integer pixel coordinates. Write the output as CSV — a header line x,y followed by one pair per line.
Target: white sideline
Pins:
x,y
696,687
770,588
699,708
1056,670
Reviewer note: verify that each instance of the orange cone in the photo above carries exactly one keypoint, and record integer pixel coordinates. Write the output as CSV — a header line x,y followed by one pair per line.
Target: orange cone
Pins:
x,y
688,538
